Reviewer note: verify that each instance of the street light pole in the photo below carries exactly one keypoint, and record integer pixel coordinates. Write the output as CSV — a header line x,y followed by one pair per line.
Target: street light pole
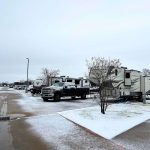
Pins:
x,y
144,94
27,75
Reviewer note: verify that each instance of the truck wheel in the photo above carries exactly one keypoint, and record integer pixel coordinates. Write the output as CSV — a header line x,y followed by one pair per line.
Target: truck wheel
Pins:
x,y
56,97
83,96
45,99
73,97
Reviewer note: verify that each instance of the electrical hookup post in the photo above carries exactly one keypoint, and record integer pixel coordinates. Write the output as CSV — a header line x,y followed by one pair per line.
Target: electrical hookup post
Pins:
x,y
143,89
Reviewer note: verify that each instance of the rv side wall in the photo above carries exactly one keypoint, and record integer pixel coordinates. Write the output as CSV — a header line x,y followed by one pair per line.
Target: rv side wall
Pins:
x,y
142,84
147,84
136,81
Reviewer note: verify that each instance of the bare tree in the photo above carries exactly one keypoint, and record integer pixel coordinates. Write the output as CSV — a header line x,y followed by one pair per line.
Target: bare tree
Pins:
x,y
48,74
146,72
99,71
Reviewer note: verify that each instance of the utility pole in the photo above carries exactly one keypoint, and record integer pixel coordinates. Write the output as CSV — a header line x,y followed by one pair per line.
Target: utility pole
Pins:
x,y
144,94
27,75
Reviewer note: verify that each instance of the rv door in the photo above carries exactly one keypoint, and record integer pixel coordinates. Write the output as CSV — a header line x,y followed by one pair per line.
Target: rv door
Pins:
x,y
127,81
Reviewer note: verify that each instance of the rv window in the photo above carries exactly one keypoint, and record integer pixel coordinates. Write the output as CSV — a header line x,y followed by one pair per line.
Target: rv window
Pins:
x,y
116,72
68,80
86,81
56,81
127,74
77,81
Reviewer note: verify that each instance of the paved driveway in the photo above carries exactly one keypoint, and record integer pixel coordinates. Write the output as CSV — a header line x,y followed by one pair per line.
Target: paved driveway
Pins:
x,y
137,138
57,134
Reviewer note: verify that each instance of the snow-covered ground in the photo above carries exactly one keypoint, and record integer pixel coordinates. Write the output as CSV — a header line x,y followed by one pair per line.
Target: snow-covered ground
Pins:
x,y
2,97
1,88
36,105
118,118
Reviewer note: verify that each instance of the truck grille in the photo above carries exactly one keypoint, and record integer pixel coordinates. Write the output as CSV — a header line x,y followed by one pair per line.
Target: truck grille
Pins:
x,y
46,91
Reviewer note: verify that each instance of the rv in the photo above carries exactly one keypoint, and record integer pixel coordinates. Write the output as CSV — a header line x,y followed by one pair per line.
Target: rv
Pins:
x,y
79,82
37,86
19,85
127,84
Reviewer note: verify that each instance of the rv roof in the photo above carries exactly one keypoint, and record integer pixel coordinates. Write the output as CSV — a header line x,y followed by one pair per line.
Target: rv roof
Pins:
x,y
124,67
134,70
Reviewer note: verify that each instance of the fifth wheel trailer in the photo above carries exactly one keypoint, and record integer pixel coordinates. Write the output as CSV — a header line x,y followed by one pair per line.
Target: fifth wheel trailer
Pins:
x,y
128,84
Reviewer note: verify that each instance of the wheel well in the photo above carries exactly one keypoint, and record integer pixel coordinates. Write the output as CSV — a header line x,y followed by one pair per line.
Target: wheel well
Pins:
x,y
57,93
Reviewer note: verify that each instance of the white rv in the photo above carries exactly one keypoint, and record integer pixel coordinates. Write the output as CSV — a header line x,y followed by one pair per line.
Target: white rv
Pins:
x,y
37,86
79,82
128,83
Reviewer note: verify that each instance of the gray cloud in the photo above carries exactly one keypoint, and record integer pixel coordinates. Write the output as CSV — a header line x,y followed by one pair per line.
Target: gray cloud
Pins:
x,y
63,34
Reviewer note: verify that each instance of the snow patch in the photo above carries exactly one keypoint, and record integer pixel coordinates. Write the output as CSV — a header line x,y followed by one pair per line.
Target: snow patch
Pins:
x,y
3,97
118,118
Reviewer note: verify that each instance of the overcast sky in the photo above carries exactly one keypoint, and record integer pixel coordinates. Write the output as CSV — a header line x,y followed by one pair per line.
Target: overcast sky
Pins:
x,y
62,34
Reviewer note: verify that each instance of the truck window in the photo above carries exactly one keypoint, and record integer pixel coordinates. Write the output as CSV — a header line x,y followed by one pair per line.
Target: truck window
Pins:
x,y
58,84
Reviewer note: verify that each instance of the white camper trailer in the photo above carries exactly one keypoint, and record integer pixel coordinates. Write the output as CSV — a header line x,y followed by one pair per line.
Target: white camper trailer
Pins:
x,y
129,84
79,82
37,86
126,81
133,83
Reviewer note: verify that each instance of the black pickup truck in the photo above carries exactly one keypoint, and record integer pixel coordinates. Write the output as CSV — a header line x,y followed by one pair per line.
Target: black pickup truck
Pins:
x,y
63,89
